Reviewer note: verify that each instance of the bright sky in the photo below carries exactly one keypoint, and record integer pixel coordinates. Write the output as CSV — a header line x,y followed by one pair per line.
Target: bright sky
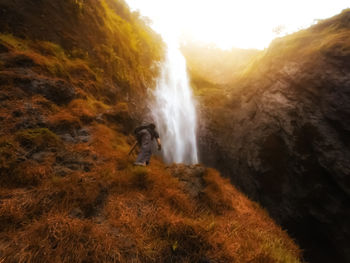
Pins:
x,y
232,23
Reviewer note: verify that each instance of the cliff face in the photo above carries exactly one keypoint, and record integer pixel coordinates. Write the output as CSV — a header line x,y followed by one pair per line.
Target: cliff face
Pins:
x,y
116,49
73,82
281,133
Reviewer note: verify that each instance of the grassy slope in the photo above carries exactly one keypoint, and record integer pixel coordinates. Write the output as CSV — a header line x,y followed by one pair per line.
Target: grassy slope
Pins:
x,y
68,190
328,38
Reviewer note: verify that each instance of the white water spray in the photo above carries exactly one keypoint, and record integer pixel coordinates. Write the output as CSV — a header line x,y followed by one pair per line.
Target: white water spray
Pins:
x,y
174,110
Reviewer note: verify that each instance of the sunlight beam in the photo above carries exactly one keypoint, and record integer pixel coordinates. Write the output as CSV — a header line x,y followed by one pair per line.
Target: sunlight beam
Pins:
x,y
227,24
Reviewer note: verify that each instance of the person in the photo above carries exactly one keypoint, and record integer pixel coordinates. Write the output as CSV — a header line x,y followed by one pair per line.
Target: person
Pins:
x,y
145,135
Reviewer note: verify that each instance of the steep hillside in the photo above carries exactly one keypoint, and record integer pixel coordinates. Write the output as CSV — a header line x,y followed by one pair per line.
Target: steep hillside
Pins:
x,y
111,51
281,133
74,76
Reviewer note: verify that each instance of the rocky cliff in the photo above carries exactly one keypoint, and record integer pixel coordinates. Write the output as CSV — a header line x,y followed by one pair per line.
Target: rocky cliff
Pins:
x,y
281,132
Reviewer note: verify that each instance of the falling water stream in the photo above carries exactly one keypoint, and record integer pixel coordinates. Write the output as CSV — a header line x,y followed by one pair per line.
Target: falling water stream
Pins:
x,y
174,109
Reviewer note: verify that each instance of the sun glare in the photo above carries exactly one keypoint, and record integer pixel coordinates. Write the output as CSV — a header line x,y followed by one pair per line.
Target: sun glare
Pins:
x,y
231,23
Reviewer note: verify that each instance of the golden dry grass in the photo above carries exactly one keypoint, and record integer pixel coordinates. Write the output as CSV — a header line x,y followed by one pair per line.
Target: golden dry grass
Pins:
x,y
115,212
133,214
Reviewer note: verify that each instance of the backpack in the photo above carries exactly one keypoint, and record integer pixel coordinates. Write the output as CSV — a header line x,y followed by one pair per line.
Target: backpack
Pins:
x,y
138,134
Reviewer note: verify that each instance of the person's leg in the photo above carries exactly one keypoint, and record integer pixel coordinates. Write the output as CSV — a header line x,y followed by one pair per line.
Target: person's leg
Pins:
x,y
144,156
140,159
148,157
145,151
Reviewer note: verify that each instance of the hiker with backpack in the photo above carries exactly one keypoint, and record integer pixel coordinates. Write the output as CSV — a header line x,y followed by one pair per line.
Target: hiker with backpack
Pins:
x,y
145,135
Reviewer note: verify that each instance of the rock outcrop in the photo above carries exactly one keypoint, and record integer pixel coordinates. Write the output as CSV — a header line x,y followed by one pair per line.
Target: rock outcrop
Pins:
x,y
282,135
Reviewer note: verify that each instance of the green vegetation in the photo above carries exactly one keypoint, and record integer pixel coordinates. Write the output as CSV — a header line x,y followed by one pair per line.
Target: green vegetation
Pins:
x,y
39,139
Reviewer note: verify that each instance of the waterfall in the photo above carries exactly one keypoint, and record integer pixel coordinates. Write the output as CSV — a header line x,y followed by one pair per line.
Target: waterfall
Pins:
x,y
172,107
173,110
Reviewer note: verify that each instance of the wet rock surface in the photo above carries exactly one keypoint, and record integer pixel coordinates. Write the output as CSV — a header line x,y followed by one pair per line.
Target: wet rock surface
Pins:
x,y
56,90
284,141
78,136
74,161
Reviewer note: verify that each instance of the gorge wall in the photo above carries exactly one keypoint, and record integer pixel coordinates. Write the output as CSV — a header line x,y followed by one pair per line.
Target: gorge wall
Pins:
x,y
280,131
